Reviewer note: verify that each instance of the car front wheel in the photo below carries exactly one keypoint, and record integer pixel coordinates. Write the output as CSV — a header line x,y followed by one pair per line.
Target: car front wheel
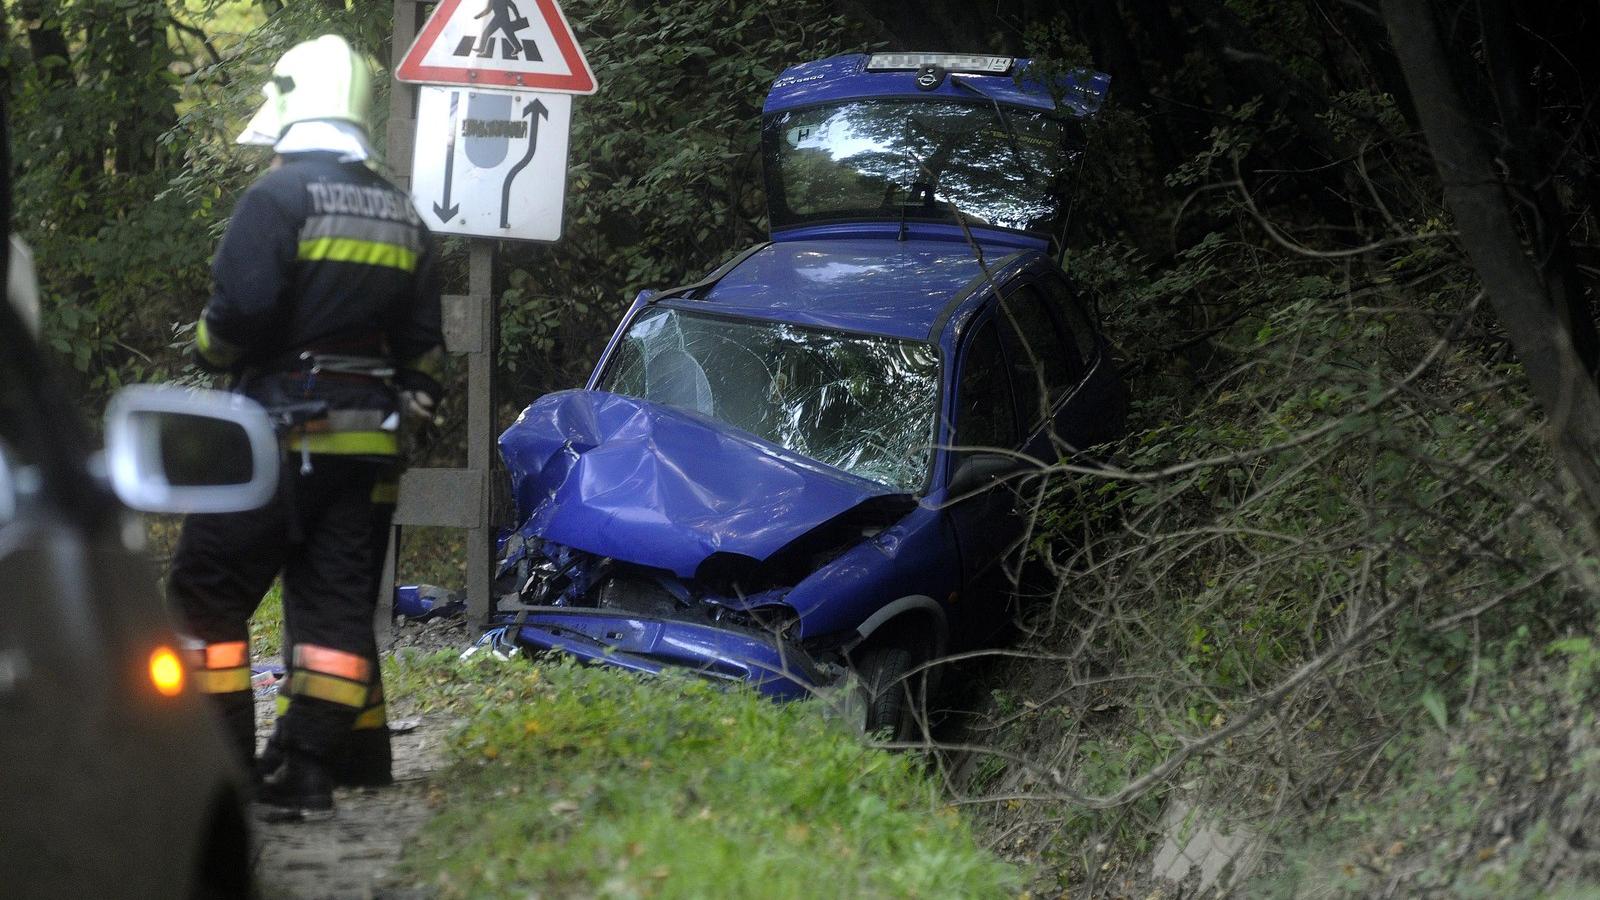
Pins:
x,y
889,688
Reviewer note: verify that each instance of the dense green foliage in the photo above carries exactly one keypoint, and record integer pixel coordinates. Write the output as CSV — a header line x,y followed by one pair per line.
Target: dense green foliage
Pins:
x,y
1334,592
569,781
122,130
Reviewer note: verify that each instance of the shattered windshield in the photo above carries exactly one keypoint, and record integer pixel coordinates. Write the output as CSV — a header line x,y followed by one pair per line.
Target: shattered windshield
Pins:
x,y
888,159
860,403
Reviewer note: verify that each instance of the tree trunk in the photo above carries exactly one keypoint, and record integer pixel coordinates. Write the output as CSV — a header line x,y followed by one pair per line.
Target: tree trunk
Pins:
x,y
135,44
1525,146
47,45
1482,212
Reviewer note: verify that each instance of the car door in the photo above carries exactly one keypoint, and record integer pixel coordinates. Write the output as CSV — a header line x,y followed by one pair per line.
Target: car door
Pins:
x,y
985,521
52,673
109,786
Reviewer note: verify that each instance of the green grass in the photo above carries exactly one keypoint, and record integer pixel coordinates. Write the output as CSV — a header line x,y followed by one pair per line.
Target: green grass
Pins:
x,y
266,626
569,781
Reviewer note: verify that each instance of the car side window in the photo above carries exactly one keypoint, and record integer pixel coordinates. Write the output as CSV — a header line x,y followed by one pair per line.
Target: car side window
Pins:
x,y
984,416
1069,310
1037,355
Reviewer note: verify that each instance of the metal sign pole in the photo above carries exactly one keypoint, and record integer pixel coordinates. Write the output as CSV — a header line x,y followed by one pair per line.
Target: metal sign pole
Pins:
x,y
481,431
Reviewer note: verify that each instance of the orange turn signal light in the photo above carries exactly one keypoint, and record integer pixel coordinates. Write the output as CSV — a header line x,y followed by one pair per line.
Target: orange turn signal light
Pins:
x,y
166,672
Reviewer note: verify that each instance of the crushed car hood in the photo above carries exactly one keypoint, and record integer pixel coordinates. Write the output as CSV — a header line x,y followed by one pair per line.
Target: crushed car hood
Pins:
x,y
655,486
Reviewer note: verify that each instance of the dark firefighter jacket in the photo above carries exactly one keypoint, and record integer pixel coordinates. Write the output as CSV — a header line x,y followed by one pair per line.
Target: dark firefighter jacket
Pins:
x,y
325,257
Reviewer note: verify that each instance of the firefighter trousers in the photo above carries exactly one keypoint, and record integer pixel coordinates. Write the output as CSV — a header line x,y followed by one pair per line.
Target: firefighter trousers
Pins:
x,y
325,532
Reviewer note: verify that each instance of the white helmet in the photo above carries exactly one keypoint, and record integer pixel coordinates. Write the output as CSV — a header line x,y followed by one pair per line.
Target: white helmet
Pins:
x,y
321,79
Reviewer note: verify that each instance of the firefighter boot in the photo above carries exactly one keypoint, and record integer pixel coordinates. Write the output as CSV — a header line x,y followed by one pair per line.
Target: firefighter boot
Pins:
x,y
366,761
301,790
270,759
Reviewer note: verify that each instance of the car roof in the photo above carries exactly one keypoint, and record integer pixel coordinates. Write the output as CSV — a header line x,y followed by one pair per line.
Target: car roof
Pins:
x,y
877,286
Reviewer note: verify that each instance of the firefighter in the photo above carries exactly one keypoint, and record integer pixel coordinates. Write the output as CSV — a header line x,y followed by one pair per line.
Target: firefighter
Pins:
x,y
325,308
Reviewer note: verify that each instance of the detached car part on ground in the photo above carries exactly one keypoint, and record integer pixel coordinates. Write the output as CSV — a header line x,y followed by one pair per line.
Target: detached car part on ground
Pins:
x,y
812,460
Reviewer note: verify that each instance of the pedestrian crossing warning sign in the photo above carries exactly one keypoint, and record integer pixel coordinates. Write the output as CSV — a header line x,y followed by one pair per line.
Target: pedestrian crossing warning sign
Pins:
x,y
496,44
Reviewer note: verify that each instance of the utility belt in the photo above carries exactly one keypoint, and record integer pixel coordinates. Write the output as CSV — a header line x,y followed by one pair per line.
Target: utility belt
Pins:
x,y
308,422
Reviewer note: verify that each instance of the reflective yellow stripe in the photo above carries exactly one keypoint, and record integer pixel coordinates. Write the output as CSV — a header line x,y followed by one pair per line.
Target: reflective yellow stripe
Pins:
x,y
355,250
387,492
216,350
221,681
373,717
348,443
329,688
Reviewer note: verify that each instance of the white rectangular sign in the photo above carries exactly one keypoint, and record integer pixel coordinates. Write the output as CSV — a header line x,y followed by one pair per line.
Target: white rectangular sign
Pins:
x,y
491,163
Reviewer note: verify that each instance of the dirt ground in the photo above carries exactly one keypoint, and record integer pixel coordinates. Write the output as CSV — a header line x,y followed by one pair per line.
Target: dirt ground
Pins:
x,y
354,854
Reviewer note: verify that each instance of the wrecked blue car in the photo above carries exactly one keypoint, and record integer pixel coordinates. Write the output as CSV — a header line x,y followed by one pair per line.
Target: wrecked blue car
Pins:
x,y
814,460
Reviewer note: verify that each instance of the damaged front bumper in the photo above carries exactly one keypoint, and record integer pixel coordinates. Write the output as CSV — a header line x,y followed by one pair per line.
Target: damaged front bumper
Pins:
x,y
651,644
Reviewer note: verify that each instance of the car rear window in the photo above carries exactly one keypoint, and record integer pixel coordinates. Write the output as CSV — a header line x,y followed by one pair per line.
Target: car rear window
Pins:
x,y
861,403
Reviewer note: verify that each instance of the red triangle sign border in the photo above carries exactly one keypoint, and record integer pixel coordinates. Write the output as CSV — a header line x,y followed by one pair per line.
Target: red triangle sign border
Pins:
x,y
579,79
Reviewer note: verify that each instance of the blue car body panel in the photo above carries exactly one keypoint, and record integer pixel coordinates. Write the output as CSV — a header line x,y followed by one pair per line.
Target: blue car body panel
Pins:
x,y
649,645
632,480
894,288
992,240
846,78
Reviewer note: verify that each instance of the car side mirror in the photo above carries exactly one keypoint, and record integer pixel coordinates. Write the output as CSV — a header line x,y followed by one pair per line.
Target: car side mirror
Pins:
x,y
979,471
174,450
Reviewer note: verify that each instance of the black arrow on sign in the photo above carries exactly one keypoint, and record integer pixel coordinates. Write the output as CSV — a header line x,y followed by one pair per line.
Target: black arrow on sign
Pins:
x,y
533,111
447,211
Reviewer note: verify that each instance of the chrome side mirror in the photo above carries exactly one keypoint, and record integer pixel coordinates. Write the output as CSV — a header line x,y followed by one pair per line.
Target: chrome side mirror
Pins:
x,y
175,450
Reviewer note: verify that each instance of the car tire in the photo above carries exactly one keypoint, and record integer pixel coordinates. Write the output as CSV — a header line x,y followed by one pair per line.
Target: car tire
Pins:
x,y
888,691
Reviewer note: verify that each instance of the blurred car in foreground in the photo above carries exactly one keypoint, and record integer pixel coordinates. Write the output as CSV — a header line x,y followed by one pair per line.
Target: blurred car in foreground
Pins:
x,y
114,779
